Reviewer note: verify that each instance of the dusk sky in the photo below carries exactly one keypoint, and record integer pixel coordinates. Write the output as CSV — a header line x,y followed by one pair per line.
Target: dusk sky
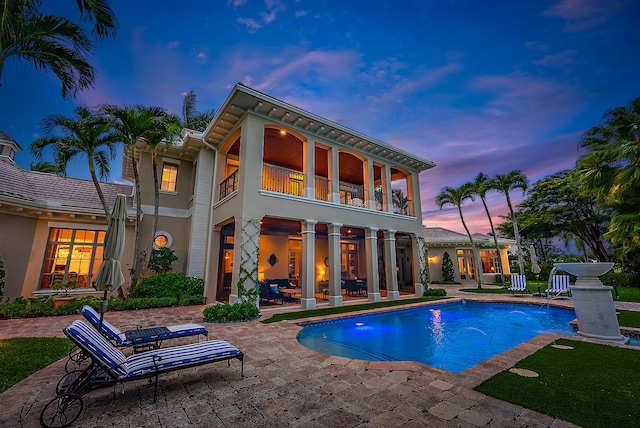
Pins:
x,y
470,85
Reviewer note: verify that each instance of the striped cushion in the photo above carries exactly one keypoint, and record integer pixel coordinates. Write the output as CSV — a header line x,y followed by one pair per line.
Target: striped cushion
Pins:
x,y
120,339
518,283
107,329
559,284
98,347
141,364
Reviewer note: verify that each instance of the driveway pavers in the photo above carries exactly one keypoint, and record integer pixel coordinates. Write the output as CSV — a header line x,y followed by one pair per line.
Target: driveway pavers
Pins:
x,y
285,384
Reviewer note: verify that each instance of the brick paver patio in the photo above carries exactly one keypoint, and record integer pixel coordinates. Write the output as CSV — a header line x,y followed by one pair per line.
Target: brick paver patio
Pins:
x,y
285,384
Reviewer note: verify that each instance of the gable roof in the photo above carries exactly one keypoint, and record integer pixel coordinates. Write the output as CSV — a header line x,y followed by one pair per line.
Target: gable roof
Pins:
x,y
49,192
438,236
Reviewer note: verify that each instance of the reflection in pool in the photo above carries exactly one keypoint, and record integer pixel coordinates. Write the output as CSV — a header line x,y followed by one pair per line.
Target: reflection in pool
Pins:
x,y
450,336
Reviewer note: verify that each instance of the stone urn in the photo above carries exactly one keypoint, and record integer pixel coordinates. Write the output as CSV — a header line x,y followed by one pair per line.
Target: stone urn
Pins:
x,y
593,302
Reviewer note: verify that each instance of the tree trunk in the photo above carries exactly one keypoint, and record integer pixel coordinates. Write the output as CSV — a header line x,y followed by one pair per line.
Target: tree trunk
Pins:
x,y
92,170
495,240
136,269
516,233
476,266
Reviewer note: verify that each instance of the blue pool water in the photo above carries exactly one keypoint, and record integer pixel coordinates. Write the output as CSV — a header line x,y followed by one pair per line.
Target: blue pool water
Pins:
x,y
450,336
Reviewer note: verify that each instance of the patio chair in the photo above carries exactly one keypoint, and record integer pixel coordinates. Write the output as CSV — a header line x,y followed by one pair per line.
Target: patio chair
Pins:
x,y
558,287
109,366
270,292
518,284
351,287
141,338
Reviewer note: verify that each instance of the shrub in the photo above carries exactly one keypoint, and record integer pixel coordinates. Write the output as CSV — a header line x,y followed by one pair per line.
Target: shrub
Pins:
x,y
161,259
175,285
435,292
448,274
226,312
622,279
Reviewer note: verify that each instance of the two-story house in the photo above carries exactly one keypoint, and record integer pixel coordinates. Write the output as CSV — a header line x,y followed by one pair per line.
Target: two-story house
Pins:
x,y
270,191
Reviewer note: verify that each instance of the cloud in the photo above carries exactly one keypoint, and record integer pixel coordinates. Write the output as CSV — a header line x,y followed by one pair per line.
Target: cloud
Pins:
x,y
561,60
251,24
581,15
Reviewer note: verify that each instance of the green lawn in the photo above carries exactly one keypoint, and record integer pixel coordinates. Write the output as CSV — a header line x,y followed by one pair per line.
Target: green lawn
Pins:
x,y
626,294
591,385
21,357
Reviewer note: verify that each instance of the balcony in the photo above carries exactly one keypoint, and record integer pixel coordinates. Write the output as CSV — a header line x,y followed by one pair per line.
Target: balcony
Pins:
x,y
282,180
229,185
351,194
323,188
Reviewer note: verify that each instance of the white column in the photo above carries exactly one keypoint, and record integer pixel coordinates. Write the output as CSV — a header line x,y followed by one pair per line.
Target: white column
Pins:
x,y
418,261
335,284
245,256
202,194
308,270
370,198
371,249
387,199
309,162
211,286
390,264
334,175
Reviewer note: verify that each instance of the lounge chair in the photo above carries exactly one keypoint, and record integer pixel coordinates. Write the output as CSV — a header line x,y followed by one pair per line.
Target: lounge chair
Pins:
x,y
518,284
141,338
558,287
109,366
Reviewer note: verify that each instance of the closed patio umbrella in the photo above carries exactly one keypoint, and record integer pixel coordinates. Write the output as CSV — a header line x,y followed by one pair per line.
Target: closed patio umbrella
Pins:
x,y
535,268
109,276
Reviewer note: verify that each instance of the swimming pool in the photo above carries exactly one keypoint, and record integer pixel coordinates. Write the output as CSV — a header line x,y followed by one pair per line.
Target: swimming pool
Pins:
x,y
450,336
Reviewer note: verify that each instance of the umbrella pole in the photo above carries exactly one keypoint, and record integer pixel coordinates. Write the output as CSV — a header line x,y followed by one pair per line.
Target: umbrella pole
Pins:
x,y
103,309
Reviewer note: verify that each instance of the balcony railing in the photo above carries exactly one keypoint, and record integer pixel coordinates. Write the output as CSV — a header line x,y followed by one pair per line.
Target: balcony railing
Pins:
x,y
323,188
350,194
282,180
229,185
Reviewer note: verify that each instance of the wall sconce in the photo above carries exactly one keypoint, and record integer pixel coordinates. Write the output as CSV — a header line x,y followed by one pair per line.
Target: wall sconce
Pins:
x,y
432,259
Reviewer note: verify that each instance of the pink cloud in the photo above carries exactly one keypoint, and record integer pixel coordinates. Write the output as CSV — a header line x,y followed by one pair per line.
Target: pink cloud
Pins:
x,y
583,14
251,24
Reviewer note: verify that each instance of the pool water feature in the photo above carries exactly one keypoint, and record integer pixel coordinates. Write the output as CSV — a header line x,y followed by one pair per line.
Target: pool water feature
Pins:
x,y
450,336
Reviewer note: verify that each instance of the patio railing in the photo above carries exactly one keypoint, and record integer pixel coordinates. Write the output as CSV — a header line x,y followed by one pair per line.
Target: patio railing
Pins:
x,y
351,194
229,185
282,180
323,188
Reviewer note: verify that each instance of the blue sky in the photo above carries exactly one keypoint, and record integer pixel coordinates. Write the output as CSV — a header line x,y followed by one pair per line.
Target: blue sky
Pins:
x,y
471,85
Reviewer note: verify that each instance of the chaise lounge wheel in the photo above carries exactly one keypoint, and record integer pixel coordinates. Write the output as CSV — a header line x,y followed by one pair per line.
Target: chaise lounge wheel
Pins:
x,y
65,384
77,359
62,411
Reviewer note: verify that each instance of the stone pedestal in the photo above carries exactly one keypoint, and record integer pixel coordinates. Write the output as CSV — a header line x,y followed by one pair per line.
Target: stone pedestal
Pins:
x,y
596,313
593,302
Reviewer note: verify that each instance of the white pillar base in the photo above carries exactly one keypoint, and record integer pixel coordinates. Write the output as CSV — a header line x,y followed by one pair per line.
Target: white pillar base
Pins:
x,y
374,297
419,289
393,295
335,300
308,303
233,298
596,313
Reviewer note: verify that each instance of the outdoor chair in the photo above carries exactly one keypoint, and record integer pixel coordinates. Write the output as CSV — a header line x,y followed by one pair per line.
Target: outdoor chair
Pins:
x,y
271,292
558,287
351,287
109,366
518,284
141,338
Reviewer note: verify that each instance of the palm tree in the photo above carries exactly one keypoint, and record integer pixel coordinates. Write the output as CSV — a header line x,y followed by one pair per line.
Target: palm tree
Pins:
x,y
505,183
133,124
611,170
480,186
83,134
54,43
400,201
168,128
193,119
456,196
48,167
